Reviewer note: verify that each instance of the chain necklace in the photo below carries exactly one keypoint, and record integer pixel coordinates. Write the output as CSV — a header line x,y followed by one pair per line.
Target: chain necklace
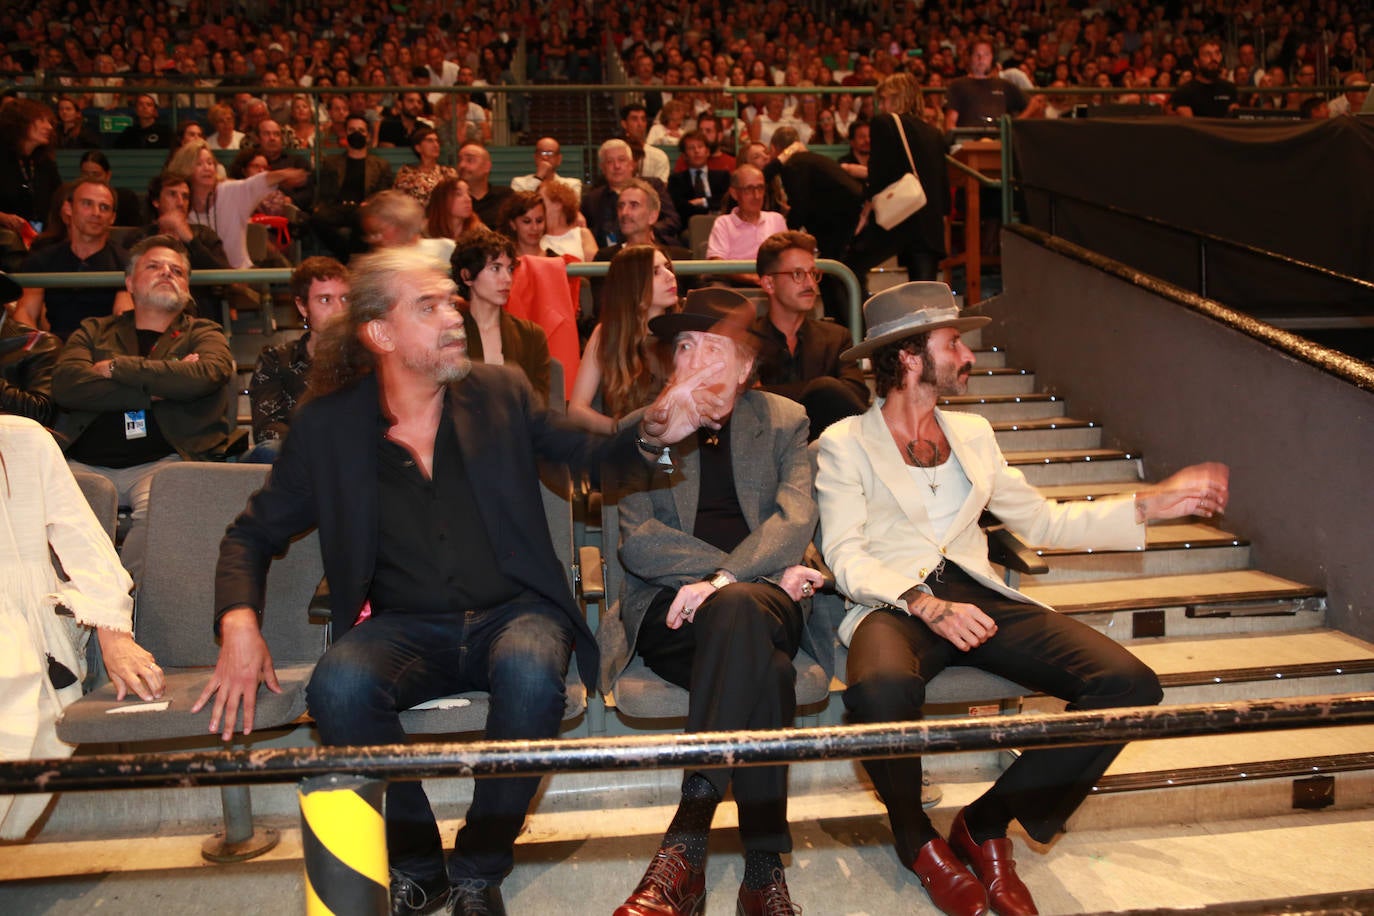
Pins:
x,y
930,471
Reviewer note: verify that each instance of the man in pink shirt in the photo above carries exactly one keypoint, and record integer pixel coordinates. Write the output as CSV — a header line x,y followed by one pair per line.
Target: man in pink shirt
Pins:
x,y
737,235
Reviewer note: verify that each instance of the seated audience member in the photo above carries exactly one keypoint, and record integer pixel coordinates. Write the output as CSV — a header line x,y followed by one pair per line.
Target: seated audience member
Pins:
x,y
708,125
737,235
474,167
637,213
226,205
398,129
697,189
855,162
430,516
222,134
319,288
72,130
667,128
623,366
599,204
48,619
1352,100
522,221
27,359
562,233
147,132
548,156
145,388
169,201
483,267
634,126
272,145
419,180
29,180
450,214
803,362
88,212
346,180
901,489
394,219
715,597
128,210
1207,94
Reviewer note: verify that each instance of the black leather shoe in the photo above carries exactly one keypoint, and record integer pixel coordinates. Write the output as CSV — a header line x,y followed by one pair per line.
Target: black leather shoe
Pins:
x,y
475,897
413,898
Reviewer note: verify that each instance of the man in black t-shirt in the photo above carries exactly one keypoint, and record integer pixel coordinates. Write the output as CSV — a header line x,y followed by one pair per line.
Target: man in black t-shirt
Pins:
x,y
147,132
89,213
979,99
146,387
1206,95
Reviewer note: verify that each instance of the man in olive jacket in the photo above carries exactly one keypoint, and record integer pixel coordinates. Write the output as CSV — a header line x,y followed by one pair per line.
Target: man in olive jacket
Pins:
x,y
144,388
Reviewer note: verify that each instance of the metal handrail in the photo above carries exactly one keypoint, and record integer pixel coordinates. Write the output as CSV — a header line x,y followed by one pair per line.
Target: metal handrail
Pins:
x,y
701,749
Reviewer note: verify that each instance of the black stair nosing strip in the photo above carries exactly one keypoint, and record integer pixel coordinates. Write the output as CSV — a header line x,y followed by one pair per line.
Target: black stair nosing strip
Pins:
x,y
1189,544
1039,397
1019,459
1145,604
1235,772
1339,903
1042,425
1333,668
1000,370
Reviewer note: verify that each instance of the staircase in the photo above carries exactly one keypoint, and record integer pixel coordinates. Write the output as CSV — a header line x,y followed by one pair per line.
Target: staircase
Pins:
x,y
1192,607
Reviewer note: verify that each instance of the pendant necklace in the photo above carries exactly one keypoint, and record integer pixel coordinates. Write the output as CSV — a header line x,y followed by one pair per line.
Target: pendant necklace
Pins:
x,y
933,471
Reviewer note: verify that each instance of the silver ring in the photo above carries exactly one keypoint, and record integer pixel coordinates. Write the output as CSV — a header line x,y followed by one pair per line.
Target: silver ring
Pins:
x,y
806,588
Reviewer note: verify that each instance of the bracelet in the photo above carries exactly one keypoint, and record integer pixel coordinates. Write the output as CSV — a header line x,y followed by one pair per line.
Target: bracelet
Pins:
x,y
665,457
1139,501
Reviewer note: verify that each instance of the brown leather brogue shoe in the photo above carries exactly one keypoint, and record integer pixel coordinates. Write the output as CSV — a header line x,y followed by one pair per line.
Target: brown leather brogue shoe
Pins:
x,y
950,885
670,887
772,899
995,868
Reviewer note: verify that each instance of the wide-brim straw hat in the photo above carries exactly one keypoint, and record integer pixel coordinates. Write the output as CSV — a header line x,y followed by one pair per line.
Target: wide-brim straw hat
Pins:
x,y
907,310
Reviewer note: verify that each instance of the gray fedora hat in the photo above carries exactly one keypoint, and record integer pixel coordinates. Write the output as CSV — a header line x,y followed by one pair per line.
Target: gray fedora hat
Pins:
x,y
909,309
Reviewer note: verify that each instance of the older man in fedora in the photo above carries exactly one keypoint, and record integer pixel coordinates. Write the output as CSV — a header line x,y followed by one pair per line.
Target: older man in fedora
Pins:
x,y
901,488
715,597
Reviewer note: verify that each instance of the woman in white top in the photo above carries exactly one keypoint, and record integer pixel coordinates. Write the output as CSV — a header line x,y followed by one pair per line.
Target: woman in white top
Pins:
x,y
226,206
223,135
563,233
45,621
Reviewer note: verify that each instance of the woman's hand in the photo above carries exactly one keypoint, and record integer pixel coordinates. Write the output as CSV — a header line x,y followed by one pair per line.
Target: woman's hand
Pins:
x,y
130,666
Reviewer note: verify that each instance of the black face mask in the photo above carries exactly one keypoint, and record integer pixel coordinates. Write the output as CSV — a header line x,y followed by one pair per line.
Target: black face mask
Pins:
x,y
357,140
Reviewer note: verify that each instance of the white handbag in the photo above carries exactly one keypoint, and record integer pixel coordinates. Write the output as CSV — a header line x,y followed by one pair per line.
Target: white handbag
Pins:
x,y
905,196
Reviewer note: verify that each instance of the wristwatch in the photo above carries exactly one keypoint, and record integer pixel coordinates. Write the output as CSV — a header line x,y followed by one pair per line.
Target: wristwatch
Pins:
x,y
719,580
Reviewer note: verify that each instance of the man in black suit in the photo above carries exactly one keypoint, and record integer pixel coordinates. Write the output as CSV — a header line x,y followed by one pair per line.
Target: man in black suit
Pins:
x,y
419,468
822,199
697,189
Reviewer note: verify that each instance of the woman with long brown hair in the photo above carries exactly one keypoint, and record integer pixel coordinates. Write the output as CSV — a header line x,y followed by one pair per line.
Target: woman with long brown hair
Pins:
x,y
28,164
449,213
622,369
522,221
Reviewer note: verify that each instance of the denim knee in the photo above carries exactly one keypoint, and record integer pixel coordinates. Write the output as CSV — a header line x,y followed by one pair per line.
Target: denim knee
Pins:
x,y
344,684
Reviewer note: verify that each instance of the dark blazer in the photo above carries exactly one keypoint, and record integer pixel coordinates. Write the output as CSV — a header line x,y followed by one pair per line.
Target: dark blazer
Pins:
x,y
376,177
823,198
819,345
326,478
682,191
888,163
27,360
598,206
523,344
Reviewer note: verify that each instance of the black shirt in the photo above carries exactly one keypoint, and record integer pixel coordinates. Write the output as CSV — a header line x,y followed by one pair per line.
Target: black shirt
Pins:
x,y
354,187
154,136
68,307
488,209
720,522
433,553
112,439
1206,100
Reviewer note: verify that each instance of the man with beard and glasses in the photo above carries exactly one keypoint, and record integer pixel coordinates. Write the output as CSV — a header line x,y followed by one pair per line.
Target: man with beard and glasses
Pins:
x,y
144,388
901,489
1207,94
420,468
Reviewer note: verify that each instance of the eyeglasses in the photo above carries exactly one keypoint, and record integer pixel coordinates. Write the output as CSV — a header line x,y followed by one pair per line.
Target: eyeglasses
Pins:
x,y
799,275
546,153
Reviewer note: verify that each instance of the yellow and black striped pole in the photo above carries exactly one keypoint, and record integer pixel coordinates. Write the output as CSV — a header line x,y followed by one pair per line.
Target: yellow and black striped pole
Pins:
x,y
343,839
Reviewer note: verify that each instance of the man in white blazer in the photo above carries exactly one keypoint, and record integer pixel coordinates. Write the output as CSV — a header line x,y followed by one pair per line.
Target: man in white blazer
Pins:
x,y
901,489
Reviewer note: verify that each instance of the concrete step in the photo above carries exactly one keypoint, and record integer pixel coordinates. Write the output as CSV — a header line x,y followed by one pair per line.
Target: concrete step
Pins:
x,y
1047,433
1088,490
1006,407
1230,587
1174,548
1001,381
1063,466
1277,616
989,359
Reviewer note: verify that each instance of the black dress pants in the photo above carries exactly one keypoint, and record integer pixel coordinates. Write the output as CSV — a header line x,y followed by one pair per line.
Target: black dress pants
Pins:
x,y
893,655
735,658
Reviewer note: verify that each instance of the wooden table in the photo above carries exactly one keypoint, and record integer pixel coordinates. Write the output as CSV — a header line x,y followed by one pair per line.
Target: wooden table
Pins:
x,y
984,157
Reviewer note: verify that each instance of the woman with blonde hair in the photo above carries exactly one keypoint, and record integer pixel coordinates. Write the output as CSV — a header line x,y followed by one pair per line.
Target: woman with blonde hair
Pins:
x,y
222,135
623,367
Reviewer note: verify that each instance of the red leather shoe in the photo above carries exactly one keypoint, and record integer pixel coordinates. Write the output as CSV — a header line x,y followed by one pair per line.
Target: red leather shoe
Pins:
x,y
670,887
772,899
950,885
992,862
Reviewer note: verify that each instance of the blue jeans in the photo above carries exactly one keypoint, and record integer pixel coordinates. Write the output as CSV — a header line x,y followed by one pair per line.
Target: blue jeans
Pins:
x,y
517,652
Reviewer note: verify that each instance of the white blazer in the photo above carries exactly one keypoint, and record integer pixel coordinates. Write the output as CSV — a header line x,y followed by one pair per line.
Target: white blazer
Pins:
x,y
878,538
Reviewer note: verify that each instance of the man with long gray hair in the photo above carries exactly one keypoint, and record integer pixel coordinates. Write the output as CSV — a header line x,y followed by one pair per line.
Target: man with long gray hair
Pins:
x,y
419,468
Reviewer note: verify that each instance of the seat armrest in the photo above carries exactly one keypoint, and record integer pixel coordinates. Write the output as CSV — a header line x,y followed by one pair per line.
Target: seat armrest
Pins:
x,y
1006,549
593,573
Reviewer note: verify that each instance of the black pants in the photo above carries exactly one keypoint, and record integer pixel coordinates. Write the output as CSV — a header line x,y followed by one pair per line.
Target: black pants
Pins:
x,y
893,655
735,658
874,245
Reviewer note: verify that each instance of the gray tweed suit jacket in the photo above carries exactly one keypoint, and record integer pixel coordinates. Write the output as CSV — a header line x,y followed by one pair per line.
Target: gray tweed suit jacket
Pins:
x,y
773,481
